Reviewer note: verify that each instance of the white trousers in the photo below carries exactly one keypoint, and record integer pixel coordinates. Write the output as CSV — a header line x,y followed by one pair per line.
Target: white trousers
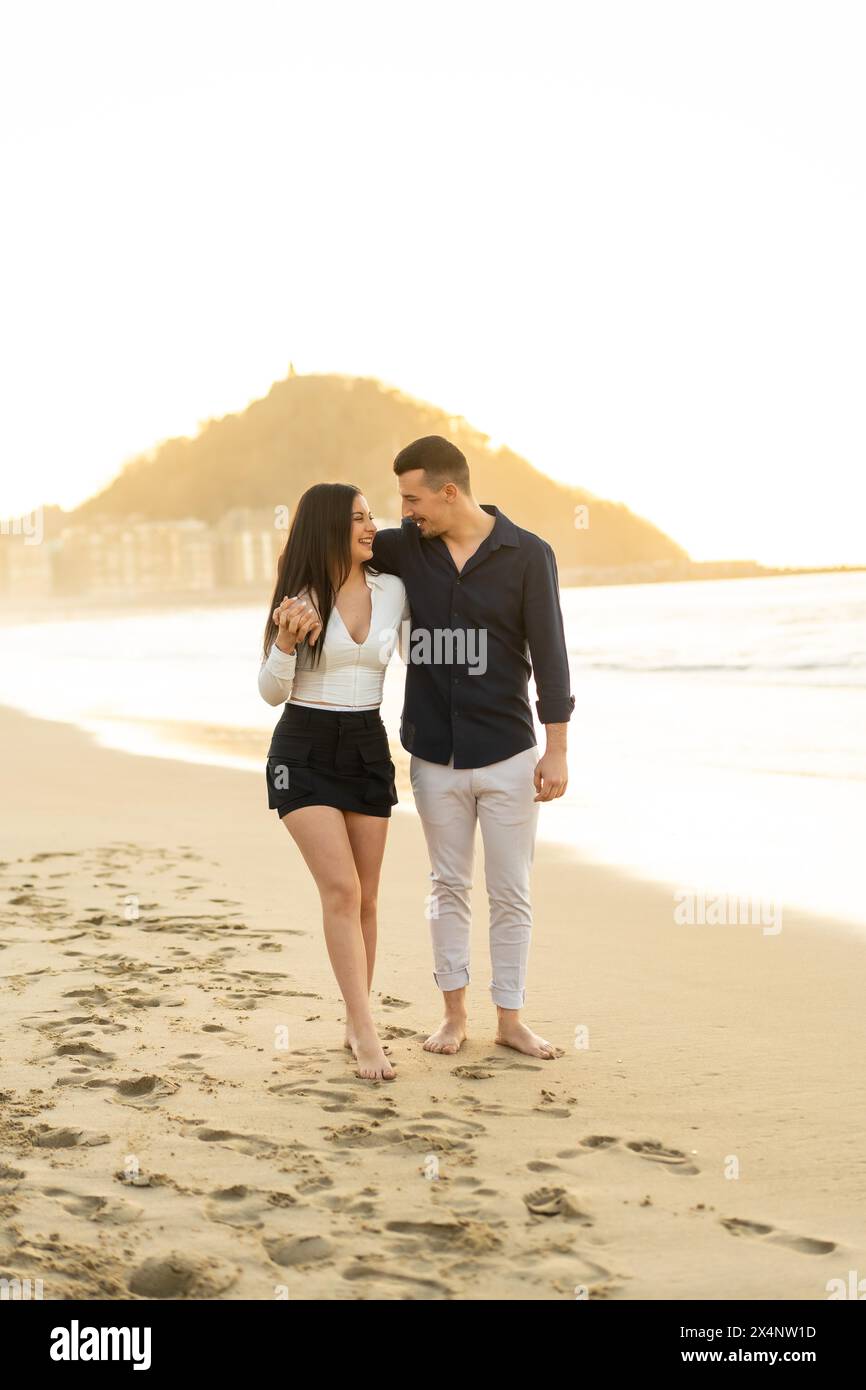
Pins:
x,y
501,797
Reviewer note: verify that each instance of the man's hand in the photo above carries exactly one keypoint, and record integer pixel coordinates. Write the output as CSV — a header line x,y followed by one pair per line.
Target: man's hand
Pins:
x,y
296,619
551,775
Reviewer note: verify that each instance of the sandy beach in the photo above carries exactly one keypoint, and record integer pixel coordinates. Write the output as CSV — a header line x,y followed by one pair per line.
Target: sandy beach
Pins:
x,y
179,1118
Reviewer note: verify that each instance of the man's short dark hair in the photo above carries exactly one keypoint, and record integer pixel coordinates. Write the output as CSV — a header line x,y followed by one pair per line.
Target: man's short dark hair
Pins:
x,y
441,460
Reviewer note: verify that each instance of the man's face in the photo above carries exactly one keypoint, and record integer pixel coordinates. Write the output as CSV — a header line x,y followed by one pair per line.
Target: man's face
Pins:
x,y
429,509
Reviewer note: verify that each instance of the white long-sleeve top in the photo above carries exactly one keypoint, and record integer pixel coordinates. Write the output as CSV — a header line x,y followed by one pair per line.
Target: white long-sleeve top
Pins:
x,y
350,675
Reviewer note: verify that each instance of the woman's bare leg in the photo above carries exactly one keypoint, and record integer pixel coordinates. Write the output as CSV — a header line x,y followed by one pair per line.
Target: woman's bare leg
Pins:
x,y
367,836
321,835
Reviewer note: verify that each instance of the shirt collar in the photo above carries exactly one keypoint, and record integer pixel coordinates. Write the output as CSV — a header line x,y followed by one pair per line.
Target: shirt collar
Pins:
x,y
504,532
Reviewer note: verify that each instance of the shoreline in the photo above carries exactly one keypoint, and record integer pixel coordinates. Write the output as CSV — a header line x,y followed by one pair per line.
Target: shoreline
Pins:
x,y
244,750
158,1037
21,608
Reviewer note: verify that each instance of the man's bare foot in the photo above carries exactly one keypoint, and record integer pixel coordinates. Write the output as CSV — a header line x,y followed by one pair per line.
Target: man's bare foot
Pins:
x,y
449,1036
373,1065
512,1033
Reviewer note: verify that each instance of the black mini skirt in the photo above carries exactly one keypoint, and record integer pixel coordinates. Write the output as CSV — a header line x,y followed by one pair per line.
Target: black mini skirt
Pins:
x,y
322,757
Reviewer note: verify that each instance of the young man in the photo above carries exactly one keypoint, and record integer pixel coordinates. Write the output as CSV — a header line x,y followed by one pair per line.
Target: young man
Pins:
x,y
484,599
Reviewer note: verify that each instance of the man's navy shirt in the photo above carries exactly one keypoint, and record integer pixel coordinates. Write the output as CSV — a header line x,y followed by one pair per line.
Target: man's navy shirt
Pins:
x,y
508,589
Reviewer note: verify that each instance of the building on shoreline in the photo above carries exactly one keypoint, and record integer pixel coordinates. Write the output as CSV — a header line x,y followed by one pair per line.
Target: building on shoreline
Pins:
x,y
137,556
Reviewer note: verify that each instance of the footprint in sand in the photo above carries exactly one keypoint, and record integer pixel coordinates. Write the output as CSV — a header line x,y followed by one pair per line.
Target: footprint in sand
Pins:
x,y
93,1055
45,1137
245,1002
241,1003
177,1275
500,1062
298,1250
77,1023
315,1183
490,1066
592,1141
674,1159
350,1205
466,1127
110,1210
473,1102
336,1101
136,1090
93,995
415,1138
439,1236
241,1206
547,1107
555,1201
135,998
804,1245
187,1061
361,1271
144,1090
251,1144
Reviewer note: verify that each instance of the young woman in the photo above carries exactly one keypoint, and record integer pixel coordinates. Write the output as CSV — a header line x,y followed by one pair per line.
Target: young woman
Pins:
x,y
333,625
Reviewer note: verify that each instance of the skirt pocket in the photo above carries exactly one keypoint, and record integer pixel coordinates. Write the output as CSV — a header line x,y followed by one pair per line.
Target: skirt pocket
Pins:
x,y
288,771
379,770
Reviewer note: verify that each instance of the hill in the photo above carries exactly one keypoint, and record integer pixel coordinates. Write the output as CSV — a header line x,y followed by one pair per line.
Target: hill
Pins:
x,y
331,428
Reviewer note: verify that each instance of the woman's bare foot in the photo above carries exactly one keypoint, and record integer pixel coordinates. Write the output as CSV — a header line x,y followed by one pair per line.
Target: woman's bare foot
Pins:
x,y
512,1033
350,1042
449,1036
373,1065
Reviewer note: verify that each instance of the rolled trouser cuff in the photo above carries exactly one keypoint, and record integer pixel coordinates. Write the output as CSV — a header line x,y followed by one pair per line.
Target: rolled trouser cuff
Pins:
x,y
451,979
508,998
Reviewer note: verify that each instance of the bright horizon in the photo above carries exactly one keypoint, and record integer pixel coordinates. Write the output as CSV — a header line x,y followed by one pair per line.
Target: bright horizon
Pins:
x,y
623,240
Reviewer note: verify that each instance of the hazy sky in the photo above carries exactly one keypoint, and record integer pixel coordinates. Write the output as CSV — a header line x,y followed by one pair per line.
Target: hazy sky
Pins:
x,y
624,238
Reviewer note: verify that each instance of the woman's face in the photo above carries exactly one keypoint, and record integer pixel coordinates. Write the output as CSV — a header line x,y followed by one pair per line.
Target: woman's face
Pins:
x,y
363,529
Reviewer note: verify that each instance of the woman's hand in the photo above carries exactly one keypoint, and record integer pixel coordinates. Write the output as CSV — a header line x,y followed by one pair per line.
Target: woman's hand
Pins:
x,y
296,619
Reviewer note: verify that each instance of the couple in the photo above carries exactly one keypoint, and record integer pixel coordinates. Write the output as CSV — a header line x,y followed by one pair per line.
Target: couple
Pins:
x,y
479,598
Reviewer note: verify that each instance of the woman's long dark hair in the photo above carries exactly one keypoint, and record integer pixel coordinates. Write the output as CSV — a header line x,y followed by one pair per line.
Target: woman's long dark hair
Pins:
x,y
317,555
